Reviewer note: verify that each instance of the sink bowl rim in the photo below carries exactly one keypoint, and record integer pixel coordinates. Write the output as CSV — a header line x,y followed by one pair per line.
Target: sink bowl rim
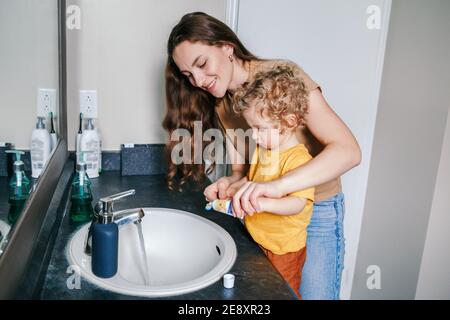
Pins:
x,y
223,266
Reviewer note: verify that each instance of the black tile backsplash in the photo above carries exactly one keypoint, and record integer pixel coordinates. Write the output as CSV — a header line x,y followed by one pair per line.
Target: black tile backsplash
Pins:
x,y
5,163
111,161
143,159
137,159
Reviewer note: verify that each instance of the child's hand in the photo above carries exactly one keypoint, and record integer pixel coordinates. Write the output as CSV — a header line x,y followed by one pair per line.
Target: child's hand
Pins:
x,y
218,189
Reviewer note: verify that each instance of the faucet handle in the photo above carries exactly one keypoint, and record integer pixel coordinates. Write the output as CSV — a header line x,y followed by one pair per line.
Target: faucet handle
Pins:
x,y
106,204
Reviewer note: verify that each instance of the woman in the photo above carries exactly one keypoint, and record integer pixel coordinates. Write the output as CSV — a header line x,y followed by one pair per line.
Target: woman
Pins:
x,y
206,64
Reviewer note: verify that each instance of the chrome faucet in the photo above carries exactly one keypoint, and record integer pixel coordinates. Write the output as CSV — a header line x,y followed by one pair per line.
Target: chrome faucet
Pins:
x,y
104,213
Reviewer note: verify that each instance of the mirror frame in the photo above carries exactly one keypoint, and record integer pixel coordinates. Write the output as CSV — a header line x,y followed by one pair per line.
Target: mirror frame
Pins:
x,y
22,237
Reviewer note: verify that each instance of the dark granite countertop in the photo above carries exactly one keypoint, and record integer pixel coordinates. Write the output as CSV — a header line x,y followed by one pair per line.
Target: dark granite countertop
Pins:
x,y
255,276
4,207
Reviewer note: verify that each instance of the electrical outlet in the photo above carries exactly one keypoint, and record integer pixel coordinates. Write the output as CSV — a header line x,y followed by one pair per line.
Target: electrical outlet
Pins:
x,y
88,103
46,102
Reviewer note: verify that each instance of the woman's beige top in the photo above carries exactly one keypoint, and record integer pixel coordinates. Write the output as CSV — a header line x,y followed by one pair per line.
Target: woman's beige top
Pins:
x,y
229,120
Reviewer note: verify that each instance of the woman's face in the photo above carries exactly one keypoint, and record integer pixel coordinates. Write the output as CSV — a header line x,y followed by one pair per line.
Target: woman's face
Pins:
x,y
207,67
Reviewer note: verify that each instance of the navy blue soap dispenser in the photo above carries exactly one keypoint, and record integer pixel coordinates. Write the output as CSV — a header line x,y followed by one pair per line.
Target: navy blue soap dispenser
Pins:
x,y
105,242
105,237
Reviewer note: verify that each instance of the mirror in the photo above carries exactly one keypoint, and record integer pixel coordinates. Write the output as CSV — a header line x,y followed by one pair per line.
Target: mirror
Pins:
x,y
29,88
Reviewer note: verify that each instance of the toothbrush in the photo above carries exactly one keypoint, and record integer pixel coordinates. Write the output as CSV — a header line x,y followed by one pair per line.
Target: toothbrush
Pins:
x,y
53,135
78,139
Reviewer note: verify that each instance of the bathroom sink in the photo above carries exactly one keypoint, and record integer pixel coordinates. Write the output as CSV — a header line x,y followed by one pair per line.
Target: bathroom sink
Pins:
x,y
4,230
184,253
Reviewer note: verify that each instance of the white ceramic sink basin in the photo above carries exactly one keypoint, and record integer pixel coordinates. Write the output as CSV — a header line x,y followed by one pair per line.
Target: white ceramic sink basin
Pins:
x,y
184,252
4,230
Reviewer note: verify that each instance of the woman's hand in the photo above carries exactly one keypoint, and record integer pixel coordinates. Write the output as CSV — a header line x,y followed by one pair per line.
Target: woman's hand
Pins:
x,y
245,200
234,187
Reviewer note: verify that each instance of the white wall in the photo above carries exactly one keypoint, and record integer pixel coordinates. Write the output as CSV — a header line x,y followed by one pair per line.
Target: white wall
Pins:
x,y
410,127
332,43
28,61
120,51
434,276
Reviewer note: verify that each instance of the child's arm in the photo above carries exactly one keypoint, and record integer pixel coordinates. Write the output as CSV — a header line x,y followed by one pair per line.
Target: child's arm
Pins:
x,y
285,206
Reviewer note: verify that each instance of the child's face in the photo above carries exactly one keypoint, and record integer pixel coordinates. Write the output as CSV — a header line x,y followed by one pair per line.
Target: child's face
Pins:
x,y
265,132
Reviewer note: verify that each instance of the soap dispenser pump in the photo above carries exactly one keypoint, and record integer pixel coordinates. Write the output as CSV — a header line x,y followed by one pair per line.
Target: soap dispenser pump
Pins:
x,y
105,237
81,195
19,187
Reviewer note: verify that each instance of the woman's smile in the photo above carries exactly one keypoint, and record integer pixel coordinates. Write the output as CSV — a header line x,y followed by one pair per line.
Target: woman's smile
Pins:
x,y
211,86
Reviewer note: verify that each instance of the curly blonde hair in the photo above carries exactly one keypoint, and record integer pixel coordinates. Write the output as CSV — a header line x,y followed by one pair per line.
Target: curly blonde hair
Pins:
x,y
278,91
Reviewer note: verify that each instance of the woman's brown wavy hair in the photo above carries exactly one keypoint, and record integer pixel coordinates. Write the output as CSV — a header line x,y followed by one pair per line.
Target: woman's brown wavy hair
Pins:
x,y
186,103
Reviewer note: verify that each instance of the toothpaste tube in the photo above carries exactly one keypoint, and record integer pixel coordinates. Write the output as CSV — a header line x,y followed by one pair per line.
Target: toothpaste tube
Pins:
x,y
223,206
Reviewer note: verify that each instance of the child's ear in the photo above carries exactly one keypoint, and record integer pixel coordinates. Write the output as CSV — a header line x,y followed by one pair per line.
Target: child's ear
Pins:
x,y
291,121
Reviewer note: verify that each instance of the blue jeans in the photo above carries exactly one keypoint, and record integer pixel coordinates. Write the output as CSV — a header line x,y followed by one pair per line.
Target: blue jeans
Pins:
x,y
325,247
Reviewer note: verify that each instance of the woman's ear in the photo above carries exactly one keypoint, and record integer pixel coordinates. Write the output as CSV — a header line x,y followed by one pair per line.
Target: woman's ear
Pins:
x,y
228,49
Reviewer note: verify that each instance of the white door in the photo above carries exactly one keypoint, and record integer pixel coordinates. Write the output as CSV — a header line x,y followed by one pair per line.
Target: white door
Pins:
x,y
341,45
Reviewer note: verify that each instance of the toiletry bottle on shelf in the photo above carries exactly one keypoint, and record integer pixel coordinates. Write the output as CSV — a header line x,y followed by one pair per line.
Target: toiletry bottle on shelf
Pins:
x,y
53,135
40,148
19,188
89,144
81,209
78,138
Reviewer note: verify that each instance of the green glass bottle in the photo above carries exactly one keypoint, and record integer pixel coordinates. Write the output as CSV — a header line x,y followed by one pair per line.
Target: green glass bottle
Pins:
x,y
19,188
81,209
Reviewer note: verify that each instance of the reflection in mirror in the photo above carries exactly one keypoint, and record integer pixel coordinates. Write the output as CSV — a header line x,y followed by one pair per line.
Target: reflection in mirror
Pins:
x,y
29,101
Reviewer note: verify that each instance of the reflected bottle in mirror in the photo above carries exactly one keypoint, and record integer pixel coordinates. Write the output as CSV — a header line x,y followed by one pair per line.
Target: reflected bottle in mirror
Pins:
x,y
19,188
81,209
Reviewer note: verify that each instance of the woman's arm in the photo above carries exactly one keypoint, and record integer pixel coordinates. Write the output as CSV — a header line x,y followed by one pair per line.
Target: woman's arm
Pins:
x,y
341,150
341,153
